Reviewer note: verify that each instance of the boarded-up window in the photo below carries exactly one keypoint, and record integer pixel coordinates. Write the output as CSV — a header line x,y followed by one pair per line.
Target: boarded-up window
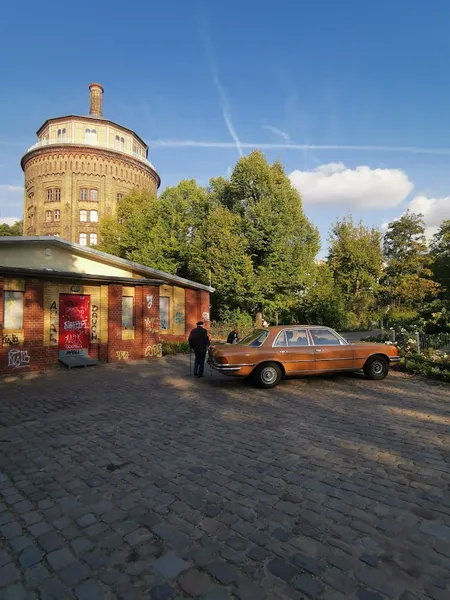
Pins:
x,y
164,313
13,310
127,312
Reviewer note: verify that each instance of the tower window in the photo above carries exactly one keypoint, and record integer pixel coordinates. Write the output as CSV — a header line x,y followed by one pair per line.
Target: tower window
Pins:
x,y
83,216
48,216
57,194
50,194
119,143
119,196
83,194
90,136
57,215
93,196
92,239
83,239
93,216
61,135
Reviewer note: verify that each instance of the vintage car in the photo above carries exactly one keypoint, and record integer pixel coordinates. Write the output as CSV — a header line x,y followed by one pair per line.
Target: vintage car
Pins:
x,y
267,355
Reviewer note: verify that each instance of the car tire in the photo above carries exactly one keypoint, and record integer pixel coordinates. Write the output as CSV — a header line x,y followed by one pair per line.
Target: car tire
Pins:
x,y
376,367
267,375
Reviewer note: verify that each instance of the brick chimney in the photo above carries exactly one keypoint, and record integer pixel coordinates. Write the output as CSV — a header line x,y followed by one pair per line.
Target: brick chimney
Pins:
x,y
96,100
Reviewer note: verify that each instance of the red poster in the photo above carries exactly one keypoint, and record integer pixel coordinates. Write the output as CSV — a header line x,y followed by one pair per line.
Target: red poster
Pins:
x,y
74,321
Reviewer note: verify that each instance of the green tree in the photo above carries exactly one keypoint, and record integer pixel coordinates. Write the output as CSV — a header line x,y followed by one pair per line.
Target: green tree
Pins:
x,y
321,303
281,242
407,280
218,255
137,233
440,258
13,230
356,261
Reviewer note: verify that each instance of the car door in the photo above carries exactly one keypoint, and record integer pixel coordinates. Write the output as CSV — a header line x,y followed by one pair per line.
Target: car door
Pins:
x,y
331,352
293,348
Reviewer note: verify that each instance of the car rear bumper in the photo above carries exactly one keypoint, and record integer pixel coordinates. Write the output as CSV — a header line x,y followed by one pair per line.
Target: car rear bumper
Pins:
x,y
226,368
394,360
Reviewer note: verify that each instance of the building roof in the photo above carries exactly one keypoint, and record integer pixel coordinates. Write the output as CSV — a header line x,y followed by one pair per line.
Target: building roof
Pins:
x,y
99,118
103,257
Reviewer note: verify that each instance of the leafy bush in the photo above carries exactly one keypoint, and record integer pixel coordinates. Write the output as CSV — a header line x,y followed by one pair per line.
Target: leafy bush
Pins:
x,y
232,318
403,317
419,365
172,348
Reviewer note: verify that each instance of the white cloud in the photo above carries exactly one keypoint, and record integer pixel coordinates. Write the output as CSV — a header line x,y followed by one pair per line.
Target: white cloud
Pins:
x,y
361,187
9,220
434,211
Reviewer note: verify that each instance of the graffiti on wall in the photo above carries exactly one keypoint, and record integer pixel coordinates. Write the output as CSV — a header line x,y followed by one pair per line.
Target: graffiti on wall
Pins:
x,y
122,354
12,339
94,321
18,358
205,316
149,301
151,323
155,350
179,318
53,323
73,340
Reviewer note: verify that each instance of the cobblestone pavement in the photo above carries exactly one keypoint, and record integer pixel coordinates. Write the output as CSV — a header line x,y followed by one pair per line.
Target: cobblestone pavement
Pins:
x,y
139,482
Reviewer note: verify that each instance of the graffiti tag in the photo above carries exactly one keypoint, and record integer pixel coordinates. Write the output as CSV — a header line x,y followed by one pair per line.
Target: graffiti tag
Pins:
x,y
155,350
122,354
149,300
179,318
205,316
53,323
10,339
18,358
73,340
94,321
75,324
151,323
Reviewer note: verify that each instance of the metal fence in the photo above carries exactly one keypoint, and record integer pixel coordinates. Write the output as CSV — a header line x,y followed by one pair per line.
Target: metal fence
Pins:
x,y
422,341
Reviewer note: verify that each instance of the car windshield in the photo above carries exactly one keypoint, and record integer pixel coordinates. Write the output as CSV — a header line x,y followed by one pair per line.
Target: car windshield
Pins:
x,y
257,338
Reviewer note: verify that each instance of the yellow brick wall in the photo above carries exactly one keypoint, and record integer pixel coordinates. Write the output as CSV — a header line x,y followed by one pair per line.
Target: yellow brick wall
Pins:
x,y
176,297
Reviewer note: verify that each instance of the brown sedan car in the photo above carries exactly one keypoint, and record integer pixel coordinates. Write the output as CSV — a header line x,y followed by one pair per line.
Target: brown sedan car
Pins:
x,y
266,355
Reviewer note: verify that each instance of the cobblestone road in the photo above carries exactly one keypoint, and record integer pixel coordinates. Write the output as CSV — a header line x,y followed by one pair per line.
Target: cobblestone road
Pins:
x,y
139,482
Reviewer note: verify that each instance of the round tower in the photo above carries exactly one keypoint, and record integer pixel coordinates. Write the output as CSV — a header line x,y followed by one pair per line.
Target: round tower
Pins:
x,y
79,170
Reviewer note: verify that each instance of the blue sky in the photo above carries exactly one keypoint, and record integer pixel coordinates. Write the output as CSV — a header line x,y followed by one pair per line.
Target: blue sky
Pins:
x,y
200,81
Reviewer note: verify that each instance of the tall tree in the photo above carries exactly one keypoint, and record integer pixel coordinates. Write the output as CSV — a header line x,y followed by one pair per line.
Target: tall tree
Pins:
x,y
16,229
321,303
407,280
282,243
218,255
440,257
356,261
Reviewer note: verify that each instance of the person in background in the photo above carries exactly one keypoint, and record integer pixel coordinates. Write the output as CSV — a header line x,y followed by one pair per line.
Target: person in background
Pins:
x,y
199,342
233,336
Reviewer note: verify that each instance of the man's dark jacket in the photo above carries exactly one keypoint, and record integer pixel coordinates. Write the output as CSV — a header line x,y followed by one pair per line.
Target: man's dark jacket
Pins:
x,y
198,339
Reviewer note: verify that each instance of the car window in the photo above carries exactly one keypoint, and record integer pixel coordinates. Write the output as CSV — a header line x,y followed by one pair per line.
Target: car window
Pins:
x,y
292,338
324,337
255,339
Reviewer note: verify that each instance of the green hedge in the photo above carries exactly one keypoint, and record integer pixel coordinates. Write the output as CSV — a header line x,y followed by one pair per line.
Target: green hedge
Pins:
x,y
172,348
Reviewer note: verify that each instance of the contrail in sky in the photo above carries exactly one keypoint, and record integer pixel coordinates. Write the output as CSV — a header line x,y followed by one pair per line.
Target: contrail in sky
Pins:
x,y
163,143
226,111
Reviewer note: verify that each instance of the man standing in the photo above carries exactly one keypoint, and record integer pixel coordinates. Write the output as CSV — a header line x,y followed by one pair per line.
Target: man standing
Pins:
x,y
199,342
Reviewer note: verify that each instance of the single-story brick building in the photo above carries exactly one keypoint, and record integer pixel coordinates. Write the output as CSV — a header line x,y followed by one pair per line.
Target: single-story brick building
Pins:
x,y
63,301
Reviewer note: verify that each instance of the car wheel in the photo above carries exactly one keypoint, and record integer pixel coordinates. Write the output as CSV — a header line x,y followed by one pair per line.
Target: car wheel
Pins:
x,y
376,367
267,375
